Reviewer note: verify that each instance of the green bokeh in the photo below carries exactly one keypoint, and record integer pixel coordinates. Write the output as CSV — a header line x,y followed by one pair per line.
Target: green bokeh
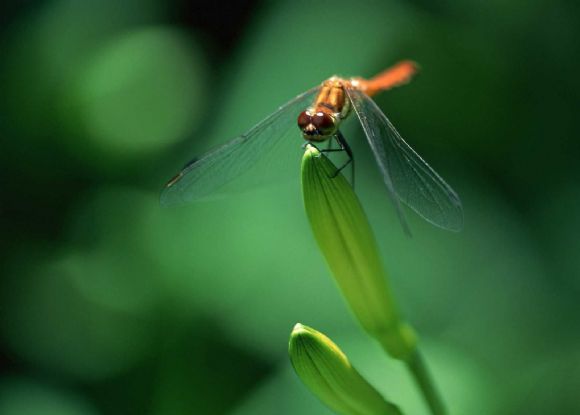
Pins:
x,y
19,396
133,103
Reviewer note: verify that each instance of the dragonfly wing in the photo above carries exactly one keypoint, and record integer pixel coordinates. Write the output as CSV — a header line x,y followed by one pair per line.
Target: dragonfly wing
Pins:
x,y
202,177
407,176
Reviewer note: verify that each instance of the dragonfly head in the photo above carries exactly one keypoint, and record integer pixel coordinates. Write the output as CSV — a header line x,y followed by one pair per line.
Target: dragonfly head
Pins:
x,y
317,126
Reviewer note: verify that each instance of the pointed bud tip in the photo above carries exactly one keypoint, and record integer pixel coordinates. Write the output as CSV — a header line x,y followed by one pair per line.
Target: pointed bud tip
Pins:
x,y
327,372
301,331
298,327
311,151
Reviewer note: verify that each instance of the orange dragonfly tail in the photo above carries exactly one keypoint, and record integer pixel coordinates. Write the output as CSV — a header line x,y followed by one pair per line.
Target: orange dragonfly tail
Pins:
x,y
397,75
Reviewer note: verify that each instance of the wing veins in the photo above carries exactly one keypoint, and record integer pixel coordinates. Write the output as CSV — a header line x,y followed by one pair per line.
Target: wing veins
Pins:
x,y
405,173
224,163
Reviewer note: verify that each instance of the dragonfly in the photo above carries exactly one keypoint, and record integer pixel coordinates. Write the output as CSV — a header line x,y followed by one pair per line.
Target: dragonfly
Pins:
x,y
408,179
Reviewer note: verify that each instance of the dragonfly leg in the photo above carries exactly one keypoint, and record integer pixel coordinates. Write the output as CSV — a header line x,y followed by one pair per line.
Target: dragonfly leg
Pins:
x,y
329,145
346,148
310,143
329,148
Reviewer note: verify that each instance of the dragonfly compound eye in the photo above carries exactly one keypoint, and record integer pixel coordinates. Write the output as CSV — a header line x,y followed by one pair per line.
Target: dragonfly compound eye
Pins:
x,y
308,129
304,119
324,123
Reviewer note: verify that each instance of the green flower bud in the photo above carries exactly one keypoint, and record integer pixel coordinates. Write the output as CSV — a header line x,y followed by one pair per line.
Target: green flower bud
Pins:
x,y
327,372
347,242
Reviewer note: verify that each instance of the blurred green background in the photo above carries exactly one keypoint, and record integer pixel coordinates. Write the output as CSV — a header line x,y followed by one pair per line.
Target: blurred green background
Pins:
x,y
111,305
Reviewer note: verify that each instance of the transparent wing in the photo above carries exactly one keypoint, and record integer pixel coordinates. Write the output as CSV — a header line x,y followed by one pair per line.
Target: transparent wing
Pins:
x,y
236,158
407,176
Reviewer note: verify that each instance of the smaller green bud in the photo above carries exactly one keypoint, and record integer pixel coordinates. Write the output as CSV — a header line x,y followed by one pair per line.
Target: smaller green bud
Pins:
x,y
327,372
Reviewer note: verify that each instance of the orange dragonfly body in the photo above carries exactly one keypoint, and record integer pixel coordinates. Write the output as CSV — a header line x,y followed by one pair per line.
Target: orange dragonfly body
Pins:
x,y
321,121
407,177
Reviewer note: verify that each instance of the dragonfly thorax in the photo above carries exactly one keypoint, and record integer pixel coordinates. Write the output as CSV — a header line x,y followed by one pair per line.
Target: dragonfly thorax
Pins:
x,y
317,125
320,122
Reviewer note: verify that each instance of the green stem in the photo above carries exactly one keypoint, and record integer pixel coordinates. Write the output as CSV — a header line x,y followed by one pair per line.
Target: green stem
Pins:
x,y
418,369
